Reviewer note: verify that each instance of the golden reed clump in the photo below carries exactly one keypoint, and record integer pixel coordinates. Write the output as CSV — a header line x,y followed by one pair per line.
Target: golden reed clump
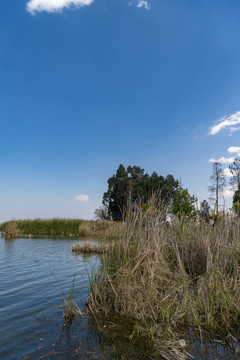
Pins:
x,y
88,247
171,278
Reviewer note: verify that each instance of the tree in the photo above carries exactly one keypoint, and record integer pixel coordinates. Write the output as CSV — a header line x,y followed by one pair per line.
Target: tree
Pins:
x,y
101,213
205,210
218,183
236,202
236,196
235,171
133,185
235,182
116,198
183,203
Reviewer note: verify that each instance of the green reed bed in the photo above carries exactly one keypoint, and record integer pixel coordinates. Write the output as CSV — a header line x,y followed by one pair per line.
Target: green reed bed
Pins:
x,y
171,279
46,227
77,227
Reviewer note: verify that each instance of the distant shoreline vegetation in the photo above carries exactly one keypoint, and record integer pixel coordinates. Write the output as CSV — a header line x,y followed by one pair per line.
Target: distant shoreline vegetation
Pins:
x,y
64,227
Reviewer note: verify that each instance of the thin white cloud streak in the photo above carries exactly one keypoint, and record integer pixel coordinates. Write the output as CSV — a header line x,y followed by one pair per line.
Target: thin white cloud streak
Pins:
x,y
82,198
222,160
51,6
234,149
143,3
233,129
224,122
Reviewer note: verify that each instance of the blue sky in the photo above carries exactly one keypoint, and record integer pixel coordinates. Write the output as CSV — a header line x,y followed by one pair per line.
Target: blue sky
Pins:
x,y
88,84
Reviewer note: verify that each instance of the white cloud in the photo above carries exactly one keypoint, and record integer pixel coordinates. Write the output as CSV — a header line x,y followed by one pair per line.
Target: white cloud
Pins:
x,y
143,3
227,172
233,129
222,160
54,5
234,149
226,121
227,193
82,198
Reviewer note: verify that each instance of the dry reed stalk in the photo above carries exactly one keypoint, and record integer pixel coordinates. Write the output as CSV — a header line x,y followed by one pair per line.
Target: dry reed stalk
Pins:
x,y
169,279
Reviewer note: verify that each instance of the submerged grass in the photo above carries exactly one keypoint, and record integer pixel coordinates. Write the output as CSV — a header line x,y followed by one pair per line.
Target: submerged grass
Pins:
x,y
104,229
171,279
71,310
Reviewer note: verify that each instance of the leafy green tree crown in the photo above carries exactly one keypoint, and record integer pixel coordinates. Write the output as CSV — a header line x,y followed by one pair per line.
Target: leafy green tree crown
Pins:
x,y
133,184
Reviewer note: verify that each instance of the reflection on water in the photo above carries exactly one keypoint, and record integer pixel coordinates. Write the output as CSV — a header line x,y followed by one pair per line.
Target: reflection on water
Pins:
x,y
34,274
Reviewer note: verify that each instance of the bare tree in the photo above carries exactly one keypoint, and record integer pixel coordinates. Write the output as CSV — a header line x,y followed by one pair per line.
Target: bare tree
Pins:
x,y
218,183
101,213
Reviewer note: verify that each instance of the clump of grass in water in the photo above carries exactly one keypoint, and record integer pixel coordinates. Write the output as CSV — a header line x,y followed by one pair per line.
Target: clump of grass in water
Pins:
x,y
71,310
90,248
171,279
12,230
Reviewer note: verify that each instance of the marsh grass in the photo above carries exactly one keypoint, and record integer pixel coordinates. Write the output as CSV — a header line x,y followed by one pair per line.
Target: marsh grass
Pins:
x,y
108,230
71,310
12,230
66,227
89,248
171,279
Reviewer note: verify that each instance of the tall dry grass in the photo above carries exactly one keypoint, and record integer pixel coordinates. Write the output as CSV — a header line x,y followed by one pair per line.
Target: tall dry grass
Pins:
x,y
12,230
108,230
171,279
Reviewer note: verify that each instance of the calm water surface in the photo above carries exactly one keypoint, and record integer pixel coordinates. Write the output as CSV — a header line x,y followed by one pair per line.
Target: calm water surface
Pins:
x,y
34,274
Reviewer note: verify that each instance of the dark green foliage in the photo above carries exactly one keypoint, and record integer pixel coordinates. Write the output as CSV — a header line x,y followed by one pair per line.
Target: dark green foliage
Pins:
x,y
236,202
183,203
236,196
133,184
235,182
47,227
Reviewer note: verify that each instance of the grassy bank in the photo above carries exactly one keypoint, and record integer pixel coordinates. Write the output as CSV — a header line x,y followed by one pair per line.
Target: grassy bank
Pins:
x,y
171,279
105,229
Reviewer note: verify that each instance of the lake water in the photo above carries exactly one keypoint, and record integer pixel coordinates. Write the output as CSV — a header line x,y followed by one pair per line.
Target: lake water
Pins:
x,y
34,275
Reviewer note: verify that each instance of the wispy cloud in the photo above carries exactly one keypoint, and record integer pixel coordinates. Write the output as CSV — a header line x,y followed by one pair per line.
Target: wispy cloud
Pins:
x,y
229,121
51,6
234,149
223,160
233,129
82,198
143,3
